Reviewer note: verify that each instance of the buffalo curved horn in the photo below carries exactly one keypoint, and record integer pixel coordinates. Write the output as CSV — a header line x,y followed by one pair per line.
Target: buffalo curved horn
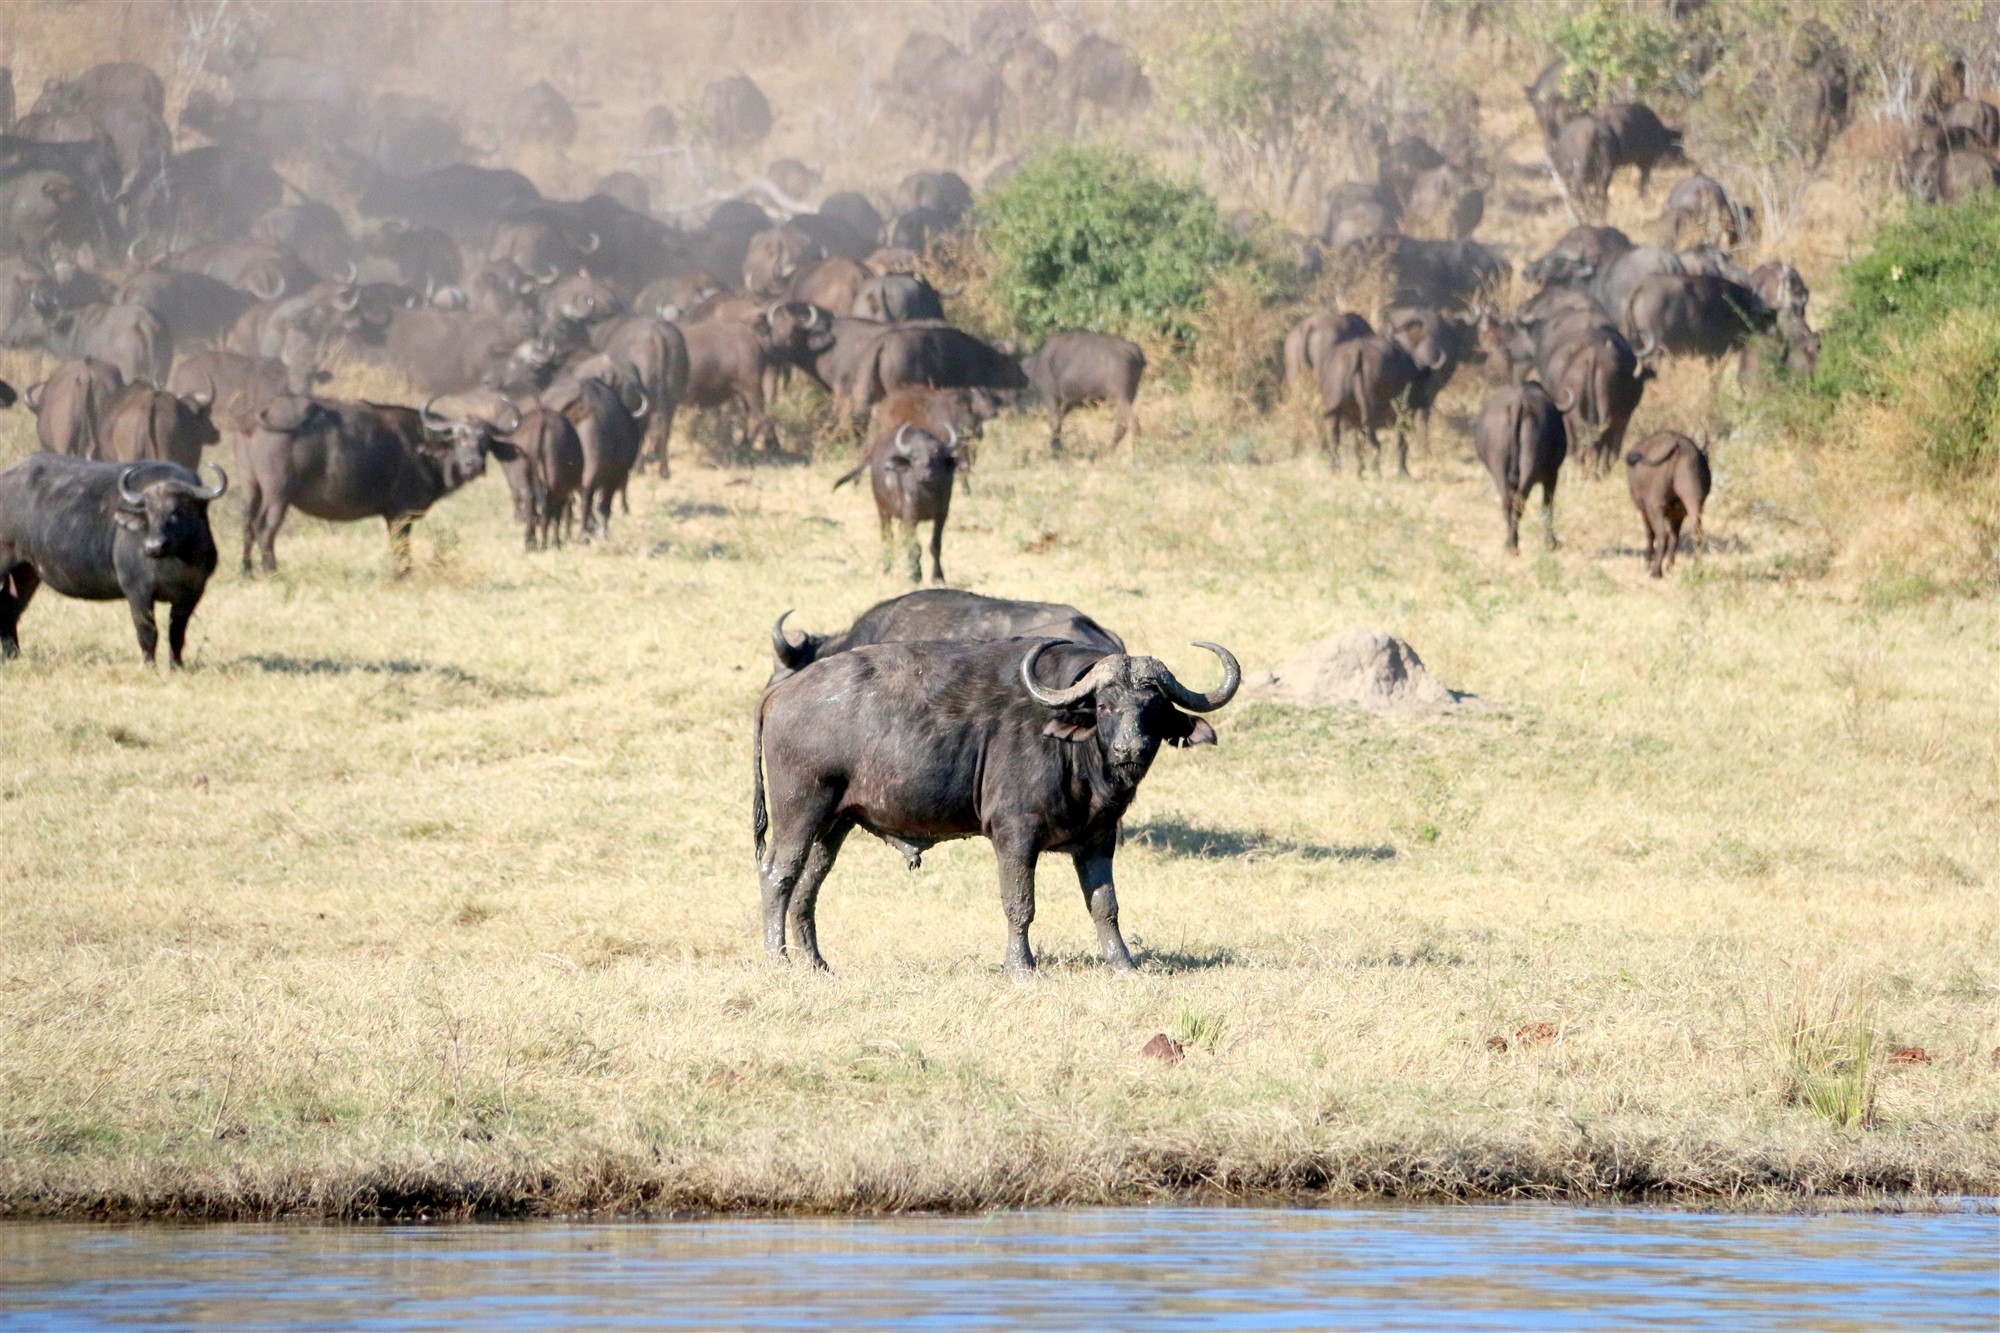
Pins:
x,y
781,643
1232,676
432,421
1651,345
595,241
513,425
812,315
352,272
347,298
32,396
645,406
207,395
548,276
772,313
952,445
1565,408
1076,693
128,497
207,493
901,431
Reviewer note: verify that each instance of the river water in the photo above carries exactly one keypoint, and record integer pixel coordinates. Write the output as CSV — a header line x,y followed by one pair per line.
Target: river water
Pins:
x,y
1151,1268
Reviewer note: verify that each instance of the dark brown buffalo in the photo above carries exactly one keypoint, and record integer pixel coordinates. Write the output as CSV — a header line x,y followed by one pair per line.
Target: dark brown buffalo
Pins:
x,y
1312,337
72,405
737,114
1583,252
1669,479
1074,369
195,309
725,365
448,351
149,423
853,208
1356,211
345,461
1521,439
831,284
933,356
1694,316
103,532
542,460
1584,153
41,211
1779,286
1597,382
1448,200
893,298
943,412
1439,343
939,613
653,355
775,257
1932,176
1643,142
207,194
1400,165
608,432
1365,383
1099,79
1035,744
911,473
1971,123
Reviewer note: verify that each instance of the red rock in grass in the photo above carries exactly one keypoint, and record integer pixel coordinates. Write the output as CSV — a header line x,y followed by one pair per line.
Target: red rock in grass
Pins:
x,y
1533,1034
1162,1047
1909,1055
1497,1043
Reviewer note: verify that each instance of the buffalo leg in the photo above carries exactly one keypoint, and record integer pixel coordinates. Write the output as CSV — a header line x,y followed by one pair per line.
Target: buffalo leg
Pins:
x,y
267,535
888,544
1510,514
1330,436
937,546
1549,514
17,588
399,545
1056,414
1402,453
142,622
178,615
1017,896
912,552
663,425
1670,533
1093,875
800,918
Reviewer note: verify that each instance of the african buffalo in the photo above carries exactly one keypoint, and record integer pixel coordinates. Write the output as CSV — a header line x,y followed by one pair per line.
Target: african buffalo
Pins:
x,y
939,613
1694,316
1312,337
542,460
1669,479
1365,383
104,532
72,405
149,423
1521,439
1073,369
893,298
1583,154
126,336
1038,745
1596,380
1641,141
911,474
1439,344
345,461
608,433
1700,204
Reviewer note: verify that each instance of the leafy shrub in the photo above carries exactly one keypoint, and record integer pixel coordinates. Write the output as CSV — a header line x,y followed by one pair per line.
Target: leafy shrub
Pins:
x,y
1613,50
1091,237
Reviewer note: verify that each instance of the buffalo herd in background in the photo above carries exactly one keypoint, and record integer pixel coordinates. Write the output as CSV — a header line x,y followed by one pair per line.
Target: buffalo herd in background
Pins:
x,y
192,296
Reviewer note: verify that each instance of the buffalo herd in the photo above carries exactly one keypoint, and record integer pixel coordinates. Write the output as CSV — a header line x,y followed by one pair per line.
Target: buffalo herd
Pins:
x,y
193,296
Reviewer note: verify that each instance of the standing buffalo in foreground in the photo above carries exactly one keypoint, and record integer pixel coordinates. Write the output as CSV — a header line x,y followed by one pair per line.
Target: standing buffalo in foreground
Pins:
x,y
1521,439
911,473
345,461
1075,369
940,613
1034,744
103,532
1669,479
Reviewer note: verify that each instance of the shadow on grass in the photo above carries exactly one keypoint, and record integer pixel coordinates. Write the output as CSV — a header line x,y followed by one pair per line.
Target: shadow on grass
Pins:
x,y
1177,838
283,664
1185,960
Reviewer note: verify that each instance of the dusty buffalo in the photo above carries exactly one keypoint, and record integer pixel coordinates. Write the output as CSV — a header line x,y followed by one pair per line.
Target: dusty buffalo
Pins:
x,y
1439,344
1597,382
940,613
542,460
1642,142
241,385
1035,744
346,461
933,356
1074,369
1700,205
911,473
72,406
1694,316
1312,337
125,336
1521,439
1365,383
106,532
1669,479
149,423
895,298
608,432
1583,155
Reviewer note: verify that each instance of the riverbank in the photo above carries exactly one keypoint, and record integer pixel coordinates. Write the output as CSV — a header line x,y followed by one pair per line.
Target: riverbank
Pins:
x,y
435,897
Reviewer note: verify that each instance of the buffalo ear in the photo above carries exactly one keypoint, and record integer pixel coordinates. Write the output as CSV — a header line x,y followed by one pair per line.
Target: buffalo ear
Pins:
x,y
1070,728
503,450
130,522
1198,733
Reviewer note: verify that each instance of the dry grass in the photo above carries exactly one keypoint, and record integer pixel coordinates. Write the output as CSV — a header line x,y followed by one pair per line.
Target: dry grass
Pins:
x,y
437,895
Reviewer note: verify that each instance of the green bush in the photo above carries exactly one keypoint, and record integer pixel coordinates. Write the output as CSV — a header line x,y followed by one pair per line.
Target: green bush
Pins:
x,y
1091,237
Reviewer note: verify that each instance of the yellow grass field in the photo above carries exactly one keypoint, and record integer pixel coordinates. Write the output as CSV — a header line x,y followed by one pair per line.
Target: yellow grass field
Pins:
x,y
435,895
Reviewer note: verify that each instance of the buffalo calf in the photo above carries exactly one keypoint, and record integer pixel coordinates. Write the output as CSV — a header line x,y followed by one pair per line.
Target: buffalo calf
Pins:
x,y
1669,479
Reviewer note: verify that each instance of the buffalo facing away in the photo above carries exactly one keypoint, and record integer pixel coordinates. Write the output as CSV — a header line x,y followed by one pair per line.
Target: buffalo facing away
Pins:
x,y
105,532
1034,744
940,613
1521,438
1075,369
1669,479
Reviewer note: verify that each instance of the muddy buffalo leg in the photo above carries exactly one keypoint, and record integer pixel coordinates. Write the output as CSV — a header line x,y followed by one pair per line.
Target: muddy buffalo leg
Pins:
x,y
142,622
17,588
1093,875
800,913
1016,854
178,615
